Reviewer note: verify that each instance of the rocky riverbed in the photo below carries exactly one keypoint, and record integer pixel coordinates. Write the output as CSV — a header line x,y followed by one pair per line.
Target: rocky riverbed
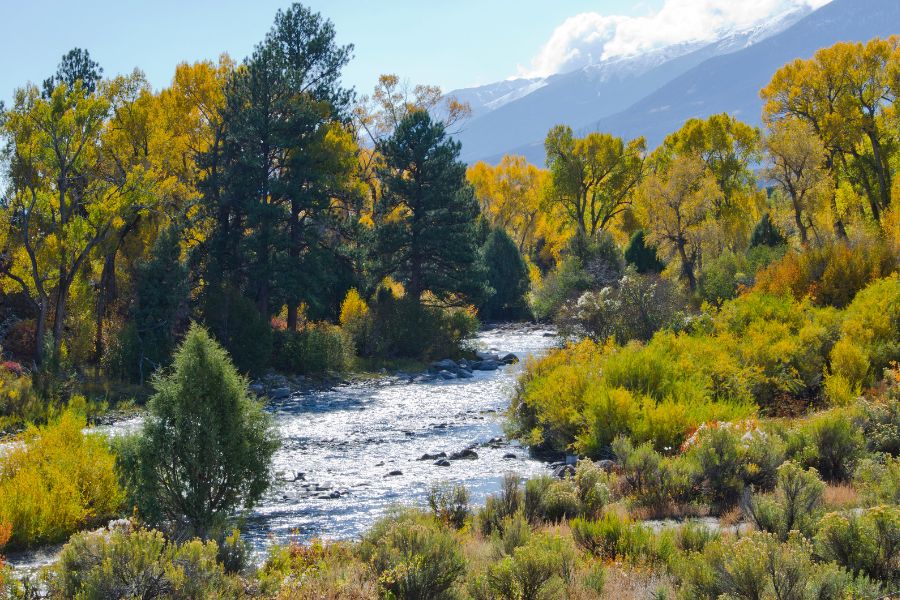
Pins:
x,y
352,450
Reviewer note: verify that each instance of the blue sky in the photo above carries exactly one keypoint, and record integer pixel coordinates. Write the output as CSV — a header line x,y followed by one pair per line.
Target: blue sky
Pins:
x,y
449,43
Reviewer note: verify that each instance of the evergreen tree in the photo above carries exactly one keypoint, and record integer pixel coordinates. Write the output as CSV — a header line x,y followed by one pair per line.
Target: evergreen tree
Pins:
x,y
426,236
161,292
206,446
75,65
284,155
507,275
766,234
642,256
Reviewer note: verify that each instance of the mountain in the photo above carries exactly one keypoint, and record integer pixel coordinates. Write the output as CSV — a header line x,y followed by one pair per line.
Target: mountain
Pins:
x,y
628,101
517,112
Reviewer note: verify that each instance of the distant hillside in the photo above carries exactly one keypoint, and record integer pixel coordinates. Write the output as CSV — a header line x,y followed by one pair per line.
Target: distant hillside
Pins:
x,y
722,77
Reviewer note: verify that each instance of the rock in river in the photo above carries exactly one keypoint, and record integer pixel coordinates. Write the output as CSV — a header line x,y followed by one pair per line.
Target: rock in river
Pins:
x,y
442,463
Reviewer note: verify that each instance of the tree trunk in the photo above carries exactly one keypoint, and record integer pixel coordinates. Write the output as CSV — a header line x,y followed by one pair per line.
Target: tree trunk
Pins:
x,y
40,331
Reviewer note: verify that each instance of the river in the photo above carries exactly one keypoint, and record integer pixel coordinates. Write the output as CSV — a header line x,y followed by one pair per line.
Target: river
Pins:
x,y
333,472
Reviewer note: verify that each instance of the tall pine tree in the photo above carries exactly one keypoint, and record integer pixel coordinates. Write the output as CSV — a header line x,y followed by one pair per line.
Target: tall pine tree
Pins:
x,y
426,235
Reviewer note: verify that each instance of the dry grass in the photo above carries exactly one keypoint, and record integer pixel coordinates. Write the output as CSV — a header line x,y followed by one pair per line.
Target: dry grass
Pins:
x,y
840,496
731,517
628,584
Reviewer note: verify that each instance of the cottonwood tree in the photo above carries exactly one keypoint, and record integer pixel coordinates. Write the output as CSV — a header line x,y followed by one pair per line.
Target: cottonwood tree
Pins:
x,y
511,197
676,207
797,159
593,178
728,148
65,197
846,93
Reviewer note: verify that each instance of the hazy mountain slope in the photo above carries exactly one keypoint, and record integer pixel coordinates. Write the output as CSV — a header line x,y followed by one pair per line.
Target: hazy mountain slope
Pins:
x,y
731,83
510,113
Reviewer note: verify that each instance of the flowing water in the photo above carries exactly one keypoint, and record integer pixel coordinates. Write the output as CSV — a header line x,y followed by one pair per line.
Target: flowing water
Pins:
x,y
350,452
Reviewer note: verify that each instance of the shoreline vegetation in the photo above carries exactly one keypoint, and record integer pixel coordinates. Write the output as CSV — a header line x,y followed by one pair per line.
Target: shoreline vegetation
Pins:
x,y
727,399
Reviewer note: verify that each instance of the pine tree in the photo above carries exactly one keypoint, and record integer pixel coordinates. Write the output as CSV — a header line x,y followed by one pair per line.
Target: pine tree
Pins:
x,y
642,256
507,275
426,236
161,292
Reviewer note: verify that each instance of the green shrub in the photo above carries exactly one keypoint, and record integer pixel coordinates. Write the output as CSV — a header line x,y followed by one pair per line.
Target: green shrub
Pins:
x,y
866,543
878,482
616,537
831,444
550,500
406,328
759,566
498,507
138,563
18,401
796,503
693,536
719,464
449,503
879,417
315,349
591,483
633,307
643,257
206,444
507,275
413,556
59,480
539,569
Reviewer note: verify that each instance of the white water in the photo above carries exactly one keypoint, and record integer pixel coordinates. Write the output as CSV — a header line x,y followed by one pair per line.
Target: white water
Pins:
x,y
348,439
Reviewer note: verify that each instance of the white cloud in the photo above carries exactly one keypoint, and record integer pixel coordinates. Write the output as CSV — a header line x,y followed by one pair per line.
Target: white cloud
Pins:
x,y
589,37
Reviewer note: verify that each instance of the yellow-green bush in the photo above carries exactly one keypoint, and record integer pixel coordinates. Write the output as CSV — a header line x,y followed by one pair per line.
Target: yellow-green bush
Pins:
x,y
56,482
869,339
139,563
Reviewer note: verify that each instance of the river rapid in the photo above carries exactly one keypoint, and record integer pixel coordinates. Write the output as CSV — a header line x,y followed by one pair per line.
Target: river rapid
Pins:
x,y
350,452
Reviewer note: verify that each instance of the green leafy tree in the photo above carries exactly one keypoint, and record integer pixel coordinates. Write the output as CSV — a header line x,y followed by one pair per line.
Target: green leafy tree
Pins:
x,y
593,178
206,447
426,234
507,275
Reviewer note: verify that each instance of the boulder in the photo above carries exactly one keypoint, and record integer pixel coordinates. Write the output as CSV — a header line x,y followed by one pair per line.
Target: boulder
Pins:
x,y
464,374
394,473
509,359
510,456
486,365
446,375
444,365
606,464
467,454
280,393
442,463
563,471
487,355
427,456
